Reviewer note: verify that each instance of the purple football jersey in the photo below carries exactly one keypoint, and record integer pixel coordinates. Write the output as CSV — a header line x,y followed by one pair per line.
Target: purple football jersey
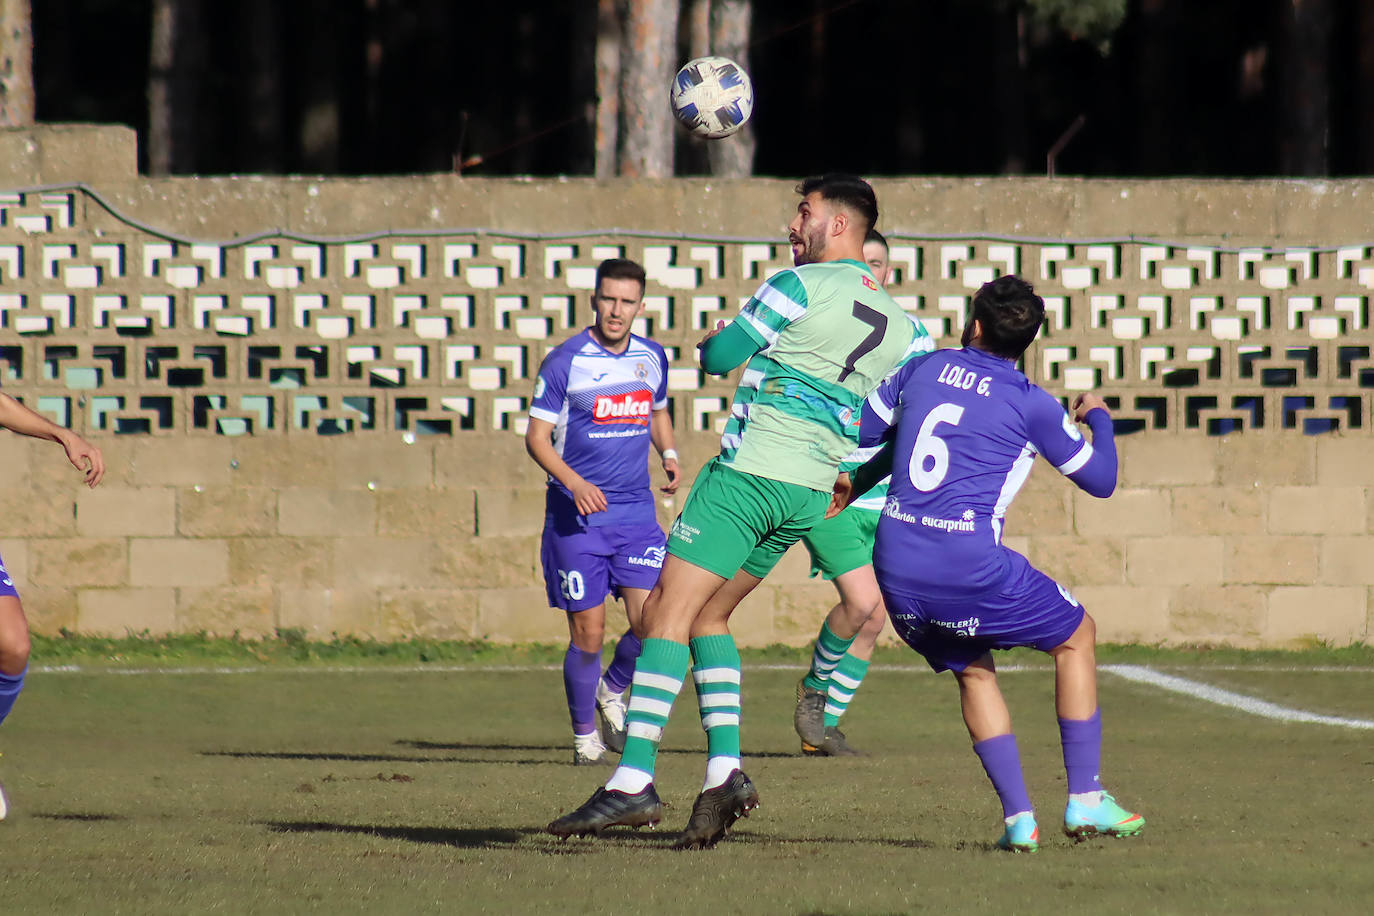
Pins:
x,y
967,427
600,404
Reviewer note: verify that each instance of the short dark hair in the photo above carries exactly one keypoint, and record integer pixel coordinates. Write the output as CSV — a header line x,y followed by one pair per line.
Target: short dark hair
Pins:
x,y
1010,314
849,191
875,236
619,269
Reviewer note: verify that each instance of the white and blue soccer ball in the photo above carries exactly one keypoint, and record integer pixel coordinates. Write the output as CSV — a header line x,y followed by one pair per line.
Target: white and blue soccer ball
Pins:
x,y
712,96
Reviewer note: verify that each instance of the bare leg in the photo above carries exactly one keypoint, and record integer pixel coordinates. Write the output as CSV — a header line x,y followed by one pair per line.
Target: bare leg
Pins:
x,y
985,711
634,599
867,639
680,595
989,725
859,601
1075,672
14,656
587,629
714,618
14,636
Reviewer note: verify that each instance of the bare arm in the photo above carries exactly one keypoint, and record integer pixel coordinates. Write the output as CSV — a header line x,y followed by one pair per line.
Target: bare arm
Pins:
x,y
539,443
84,457
841,495
661,434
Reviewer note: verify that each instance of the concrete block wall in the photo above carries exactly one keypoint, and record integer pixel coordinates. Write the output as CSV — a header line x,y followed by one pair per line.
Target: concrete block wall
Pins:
x,y
1251,542
1251,313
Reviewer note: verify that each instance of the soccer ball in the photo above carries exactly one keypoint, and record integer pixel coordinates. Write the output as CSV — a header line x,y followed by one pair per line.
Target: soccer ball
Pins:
x,y
712,96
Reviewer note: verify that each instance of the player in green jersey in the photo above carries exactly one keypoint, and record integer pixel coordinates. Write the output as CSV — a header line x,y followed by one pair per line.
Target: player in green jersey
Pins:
x,y
841,550
816,339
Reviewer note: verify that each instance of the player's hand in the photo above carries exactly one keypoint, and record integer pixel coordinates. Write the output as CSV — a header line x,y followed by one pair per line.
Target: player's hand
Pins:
x,y
674,472
588,498
839,496
1086,402
720,326
85,457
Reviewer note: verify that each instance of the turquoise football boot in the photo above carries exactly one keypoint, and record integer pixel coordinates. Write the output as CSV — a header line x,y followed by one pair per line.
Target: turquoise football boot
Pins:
x,y
1104,819
1021,835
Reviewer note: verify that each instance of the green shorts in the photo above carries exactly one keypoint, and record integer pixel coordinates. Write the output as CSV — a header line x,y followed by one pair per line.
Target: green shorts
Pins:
x,y
733,521
842,544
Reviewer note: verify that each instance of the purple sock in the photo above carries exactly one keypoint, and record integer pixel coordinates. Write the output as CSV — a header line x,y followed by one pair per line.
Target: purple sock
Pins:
x,y
581,670
1002,762
622,668
10,685
1082,741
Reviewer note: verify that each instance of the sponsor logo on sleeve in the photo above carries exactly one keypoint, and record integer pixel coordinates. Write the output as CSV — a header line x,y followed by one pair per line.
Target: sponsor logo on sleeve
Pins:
x,y
539,387
1071,428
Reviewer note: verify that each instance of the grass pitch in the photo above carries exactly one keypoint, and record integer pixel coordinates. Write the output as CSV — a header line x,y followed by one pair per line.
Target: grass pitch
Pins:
x,y
383,789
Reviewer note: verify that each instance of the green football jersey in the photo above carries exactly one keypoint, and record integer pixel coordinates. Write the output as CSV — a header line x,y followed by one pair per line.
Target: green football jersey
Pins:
x,y
830,335
876,498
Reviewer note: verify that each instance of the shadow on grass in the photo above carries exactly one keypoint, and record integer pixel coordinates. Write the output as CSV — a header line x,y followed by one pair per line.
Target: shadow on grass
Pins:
x,y
558,754
78,816
772,839
559,749
485,837
465,838
374,758
508,837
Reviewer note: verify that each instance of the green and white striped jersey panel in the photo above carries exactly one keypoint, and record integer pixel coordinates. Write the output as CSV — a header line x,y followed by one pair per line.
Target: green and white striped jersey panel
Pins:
x,y
830,335
876,498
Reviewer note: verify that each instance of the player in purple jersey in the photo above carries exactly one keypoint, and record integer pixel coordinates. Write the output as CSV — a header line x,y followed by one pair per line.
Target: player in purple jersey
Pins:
x,y
14,627
967,425
601,397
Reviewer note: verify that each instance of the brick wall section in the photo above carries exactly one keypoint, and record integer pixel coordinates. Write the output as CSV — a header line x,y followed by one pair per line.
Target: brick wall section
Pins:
x,y
1262,543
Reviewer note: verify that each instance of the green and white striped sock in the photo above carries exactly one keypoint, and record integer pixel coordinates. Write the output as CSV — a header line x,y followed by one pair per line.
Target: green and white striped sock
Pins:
x,y
844,680
827,654
658,678
716,672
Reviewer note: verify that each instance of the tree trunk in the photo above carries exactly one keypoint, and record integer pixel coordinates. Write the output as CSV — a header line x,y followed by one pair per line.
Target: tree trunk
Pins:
x,y
647,65
262,86
1364,88
319,128
1155,88
16,64
733,156
1305,111
699,28
609,37
1012,63
175,58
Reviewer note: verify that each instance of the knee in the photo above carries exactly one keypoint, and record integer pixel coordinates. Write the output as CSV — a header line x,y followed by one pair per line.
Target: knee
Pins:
x,y
14,653
873,626
859,610
586,631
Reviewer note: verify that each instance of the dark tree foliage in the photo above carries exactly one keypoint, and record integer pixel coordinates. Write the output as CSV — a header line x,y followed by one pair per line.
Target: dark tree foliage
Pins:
x,y
953,87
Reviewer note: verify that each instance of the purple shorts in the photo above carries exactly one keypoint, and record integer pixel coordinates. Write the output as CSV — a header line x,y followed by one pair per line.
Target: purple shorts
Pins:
x,y
6,581
1029,609
583,564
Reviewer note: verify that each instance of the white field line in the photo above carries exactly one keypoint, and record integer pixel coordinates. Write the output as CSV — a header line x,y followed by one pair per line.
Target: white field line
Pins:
x,y
1240,701
1137,673
383,668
